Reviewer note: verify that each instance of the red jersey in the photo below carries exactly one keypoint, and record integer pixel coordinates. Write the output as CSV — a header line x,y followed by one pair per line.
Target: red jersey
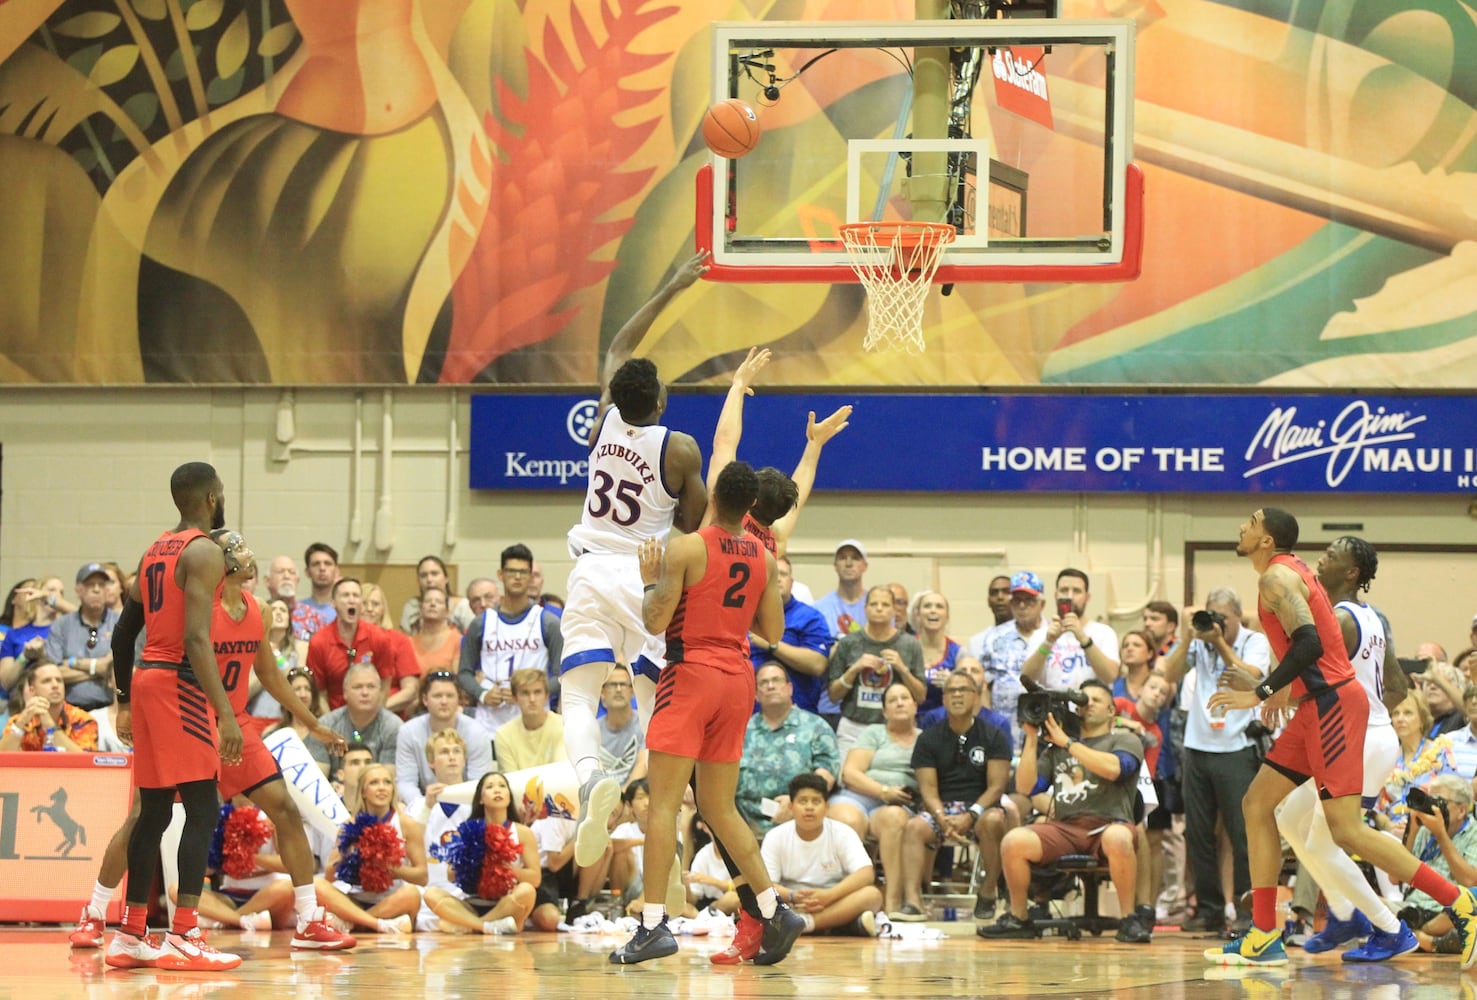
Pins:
x,y
164,598
1129,709
1333,667
329,657
712,621
236,644
759,531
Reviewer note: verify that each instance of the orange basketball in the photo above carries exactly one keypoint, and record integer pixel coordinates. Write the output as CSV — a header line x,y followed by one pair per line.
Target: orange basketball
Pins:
x,y
731,128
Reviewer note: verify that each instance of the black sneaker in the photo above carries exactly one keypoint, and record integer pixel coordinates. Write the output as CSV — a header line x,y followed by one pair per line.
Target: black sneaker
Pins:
x,y
780,934
984,909
1009,927
1131,930
1205,922
646,945
577,908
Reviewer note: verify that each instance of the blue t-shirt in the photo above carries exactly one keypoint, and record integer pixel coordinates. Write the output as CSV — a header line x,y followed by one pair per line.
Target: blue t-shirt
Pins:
x,y
15,640
804,627
934,675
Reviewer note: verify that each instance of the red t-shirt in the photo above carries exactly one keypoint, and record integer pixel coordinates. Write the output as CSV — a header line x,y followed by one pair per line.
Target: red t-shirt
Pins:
x,y
712,621
164,598
328,658
1128,708
236,644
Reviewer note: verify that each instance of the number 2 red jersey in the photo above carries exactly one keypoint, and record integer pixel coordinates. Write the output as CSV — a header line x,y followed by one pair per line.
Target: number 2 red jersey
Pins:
x,y
235,649
712,621
164,599
1333,667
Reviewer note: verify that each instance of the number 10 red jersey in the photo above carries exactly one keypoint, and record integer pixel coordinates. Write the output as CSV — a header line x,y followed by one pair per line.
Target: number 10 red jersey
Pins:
x,y
164,599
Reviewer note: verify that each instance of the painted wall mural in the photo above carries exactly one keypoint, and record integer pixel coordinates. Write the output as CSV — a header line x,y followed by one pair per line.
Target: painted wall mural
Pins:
x,y
482,191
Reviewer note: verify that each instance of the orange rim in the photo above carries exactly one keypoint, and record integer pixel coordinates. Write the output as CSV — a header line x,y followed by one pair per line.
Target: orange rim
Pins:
x,y
904,235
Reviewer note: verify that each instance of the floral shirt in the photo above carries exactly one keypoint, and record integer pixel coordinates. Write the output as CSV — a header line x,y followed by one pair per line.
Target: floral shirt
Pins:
x,y
80,727
1432,758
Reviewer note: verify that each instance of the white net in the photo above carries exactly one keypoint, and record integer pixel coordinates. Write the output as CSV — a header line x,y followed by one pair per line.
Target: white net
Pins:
x,y
896,262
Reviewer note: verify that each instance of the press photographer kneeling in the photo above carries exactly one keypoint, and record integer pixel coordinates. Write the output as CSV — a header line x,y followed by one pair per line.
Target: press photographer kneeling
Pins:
x,y
1092,780
1447,841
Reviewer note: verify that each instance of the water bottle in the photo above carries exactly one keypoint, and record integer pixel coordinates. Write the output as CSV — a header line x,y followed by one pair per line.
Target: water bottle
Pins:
x,y
50,743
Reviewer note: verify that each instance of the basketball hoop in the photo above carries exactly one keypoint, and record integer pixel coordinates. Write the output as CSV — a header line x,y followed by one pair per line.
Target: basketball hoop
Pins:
x,y
896,262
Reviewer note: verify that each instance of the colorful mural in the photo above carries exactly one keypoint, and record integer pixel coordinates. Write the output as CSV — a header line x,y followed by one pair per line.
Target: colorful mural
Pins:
x,y
482,191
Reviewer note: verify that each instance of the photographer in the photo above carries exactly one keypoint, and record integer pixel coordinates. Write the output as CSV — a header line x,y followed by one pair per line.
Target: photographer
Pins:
x,y
1447,841
1220,759
1092,782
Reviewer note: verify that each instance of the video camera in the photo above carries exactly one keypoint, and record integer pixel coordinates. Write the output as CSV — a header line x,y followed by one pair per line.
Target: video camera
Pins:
x,y
1038,702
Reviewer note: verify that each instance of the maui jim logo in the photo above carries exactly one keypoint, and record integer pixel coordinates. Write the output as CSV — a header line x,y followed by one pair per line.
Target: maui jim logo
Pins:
x,y
1355,432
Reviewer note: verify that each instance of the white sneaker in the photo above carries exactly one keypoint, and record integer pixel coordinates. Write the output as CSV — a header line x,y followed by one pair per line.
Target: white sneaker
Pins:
x,y
600,795
258,921
190,953
400,925
502,925
128,952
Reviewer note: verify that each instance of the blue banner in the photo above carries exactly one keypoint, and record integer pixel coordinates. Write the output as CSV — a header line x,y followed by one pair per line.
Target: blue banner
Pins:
x,y
901,443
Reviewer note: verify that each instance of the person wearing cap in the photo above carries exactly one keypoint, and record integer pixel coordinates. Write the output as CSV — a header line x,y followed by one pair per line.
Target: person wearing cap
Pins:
x,y
81,643
844,609
1001,649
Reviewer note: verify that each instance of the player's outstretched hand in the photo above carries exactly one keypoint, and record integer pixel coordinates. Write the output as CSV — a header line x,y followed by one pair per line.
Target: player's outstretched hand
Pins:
x,y
230,740
824,430
650,554
692,269
749,370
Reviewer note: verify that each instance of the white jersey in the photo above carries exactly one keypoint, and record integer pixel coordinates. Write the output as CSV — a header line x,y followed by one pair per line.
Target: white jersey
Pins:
x,y
508,647
627,500
439,827
1369,659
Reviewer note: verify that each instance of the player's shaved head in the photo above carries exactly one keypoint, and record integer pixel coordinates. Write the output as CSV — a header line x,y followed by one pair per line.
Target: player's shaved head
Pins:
x,y
191,483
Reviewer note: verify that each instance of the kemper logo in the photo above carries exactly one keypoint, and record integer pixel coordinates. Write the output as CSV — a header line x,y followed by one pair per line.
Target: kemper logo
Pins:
x,y
1020,83
520,466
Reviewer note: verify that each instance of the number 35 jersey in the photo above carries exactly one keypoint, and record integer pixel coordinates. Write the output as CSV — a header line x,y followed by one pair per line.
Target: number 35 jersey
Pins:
x,y
627,500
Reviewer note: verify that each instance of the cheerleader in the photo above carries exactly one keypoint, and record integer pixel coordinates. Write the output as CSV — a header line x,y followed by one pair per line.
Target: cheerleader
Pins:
x,y
352,890
508,861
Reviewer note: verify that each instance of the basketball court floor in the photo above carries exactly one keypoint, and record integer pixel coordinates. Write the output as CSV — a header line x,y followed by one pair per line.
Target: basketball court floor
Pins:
x,y
37,965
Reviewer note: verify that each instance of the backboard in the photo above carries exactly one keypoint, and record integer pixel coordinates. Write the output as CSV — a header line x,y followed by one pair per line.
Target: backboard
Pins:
x,y
1017,132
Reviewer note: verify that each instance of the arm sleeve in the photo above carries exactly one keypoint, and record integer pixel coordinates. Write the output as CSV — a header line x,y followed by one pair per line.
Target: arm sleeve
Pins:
x,y
1128,765
130,623
1303,653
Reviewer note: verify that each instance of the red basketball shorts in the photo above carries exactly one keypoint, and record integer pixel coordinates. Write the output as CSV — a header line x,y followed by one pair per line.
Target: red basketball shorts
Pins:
x,y
701,712
173,730
257,767
1325,742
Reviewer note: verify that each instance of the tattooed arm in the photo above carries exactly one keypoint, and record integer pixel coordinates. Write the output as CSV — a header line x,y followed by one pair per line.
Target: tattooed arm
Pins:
x,y
1285,595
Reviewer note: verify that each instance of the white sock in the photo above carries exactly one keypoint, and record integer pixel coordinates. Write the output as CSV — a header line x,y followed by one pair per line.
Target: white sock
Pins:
x,y
809,923
101,897
652,914
769,901
502,925
304,901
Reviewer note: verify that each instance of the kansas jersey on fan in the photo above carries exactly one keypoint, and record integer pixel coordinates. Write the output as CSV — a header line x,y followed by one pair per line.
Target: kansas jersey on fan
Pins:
x,y
628,499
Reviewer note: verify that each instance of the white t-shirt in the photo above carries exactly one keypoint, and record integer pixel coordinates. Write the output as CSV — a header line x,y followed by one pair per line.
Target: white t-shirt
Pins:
x,y
813,864
707,862
1067,666
553,834
631,831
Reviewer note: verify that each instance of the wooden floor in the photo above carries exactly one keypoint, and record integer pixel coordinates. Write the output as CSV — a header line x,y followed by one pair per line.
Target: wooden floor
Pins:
x,y
36,964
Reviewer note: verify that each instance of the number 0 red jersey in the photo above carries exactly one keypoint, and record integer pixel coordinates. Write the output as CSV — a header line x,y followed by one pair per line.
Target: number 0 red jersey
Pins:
x,y
235,649
712,621
164,599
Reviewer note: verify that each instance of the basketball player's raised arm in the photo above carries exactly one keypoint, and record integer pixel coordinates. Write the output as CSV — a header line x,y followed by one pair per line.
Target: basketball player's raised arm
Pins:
x,y
274,682
623,344
769,618
663,570
817,433
203,566
730,429
1282,593
685,468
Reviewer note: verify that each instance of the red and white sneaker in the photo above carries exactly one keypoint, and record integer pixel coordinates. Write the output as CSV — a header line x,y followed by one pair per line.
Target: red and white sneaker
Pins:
x,y
89,932
190,953
316,933
128,952
747,937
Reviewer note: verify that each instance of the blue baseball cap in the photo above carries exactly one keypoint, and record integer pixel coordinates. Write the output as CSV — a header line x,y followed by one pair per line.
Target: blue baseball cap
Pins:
x,y
1026,582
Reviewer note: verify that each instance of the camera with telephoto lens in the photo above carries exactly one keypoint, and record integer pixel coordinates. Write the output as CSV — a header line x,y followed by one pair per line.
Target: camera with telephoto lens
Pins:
x,y
1206,620
1421,801
1037,703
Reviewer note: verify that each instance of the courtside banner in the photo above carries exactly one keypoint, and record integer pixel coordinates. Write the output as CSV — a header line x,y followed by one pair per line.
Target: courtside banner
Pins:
x,y
897,443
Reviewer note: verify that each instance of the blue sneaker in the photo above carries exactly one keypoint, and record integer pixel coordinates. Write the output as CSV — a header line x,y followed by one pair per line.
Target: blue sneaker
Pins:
x,y
780,933
1384,945
1337,932
1255,947
645,945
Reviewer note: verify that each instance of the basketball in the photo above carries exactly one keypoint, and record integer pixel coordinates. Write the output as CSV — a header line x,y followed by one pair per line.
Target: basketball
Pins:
x,y
731,128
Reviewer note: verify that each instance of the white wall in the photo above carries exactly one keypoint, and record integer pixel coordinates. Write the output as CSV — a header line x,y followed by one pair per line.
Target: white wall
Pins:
x,y
86,473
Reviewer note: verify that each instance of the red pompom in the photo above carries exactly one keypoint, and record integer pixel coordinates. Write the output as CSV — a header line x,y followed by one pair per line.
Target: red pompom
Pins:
x,y
497,878
380,849
246,830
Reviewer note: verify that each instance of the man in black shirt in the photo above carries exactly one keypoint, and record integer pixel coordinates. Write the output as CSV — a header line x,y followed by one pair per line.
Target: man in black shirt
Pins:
x,y
1093,782
962,765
